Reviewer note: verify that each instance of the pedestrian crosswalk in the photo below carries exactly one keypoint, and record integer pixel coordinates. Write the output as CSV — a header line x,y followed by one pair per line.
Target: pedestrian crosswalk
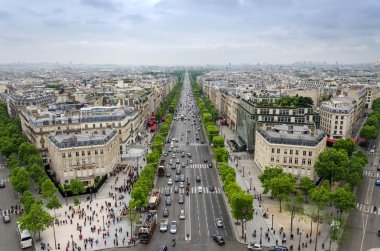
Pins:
x,y
191,190
4,180
371,174
190,144
198,166
370,209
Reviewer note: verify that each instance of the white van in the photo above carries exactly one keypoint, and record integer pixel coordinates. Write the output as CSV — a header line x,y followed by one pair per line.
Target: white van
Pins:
x,y
25,237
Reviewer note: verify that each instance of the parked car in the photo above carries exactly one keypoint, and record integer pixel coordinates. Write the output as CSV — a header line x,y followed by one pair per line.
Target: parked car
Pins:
x,y
253,246
165,212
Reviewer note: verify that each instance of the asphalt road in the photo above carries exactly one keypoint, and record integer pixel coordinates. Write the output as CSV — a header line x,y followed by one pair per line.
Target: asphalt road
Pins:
x,y
201,209
364,222
9,239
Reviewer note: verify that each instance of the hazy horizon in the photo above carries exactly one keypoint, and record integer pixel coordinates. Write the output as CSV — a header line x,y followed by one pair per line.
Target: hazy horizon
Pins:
x,y
193,32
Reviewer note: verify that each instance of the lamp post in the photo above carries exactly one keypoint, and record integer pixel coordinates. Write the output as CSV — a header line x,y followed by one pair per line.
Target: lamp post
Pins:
x,y
272,221
104,229
250,183
243,171
261,235
66,198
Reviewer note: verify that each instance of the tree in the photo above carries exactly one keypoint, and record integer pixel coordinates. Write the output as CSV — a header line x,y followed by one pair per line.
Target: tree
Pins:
x,y
13,162
336,231
281,187
344,200
25,150
372,121
206,117
294,207
220,154
133,218
368,132
270,173
218,141
36,220
306,185
48,189
54,203
242,208
20,179
27,200
346,144
321,196
152,157
77,187
332,165
7,146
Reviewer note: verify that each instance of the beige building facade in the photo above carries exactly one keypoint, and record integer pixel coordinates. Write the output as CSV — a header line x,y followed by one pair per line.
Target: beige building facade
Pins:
x,y
83,157
293,148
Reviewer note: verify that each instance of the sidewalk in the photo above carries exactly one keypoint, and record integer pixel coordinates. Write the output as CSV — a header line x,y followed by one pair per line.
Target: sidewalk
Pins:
x,y
247,173
102,231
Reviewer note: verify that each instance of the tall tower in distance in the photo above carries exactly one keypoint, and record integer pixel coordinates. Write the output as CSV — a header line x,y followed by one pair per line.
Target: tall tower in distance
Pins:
x,y
376,66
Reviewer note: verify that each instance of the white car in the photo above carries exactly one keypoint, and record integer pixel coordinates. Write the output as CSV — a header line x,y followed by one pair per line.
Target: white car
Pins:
x,y
181,185
182,214
170,182
200,189
253,246
173,227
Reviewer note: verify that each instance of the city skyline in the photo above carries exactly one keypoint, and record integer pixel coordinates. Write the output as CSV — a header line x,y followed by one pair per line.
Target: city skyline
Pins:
x,y
193,32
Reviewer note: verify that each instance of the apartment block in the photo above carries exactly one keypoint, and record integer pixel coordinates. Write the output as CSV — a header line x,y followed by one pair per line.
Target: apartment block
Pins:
x,y
294,148
86,157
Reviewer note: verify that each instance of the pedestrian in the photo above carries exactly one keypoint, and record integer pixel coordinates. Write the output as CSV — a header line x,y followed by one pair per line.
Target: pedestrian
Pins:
x,y
105,242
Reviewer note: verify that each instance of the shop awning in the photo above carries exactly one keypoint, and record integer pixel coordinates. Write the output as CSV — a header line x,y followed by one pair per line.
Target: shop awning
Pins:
x,y
331,140
152,117
163,118
153,128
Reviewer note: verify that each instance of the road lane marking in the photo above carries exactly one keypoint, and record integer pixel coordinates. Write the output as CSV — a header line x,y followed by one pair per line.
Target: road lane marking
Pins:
x,y
368,201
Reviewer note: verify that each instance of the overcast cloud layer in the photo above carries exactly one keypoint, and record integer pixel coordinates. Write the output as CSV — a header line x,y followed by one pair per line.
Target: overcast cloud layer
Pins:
x,y
189,31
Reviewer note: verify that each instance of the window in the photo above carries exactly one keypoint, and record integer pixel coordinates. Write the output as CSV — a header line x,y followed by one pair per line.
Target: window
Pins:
x,y
119,131
88,152
101,151
101,125
303,161
310,153
93,125
277,160
271,159
309,162
76,153
304,153
69,154
63,155
86,126
291,152
285,159
272,150
96,151
290,160
285,151
336,117
119,124
296,152
83,153
295,160
278,150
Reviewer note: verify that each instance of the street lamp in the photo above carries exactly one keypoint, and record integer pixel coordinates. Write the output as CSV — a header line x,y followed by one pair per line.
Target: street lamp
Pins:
x,y
104,229
272,221
261,235
66,198
243,171
250,183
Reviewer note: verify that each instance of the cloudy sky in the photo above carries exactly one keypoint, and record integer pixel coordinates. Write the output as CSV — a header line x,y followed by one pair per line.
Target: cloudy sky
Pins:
x,y
189,31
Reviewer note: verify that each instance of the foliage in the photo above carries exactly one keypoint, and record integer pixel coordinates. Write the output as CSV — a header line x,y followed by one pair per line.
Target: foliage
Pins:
x,y
48,189
368,132
294,207
344,200
346,144
36,220
27,200
77,187
218,141
281,187
270,172
220,154
53,203
306,185
20,179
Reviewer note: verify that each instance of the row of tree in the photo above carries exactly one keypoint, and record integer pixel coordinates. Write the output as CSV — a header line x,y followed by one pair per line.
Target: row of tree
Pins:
x,y
143,186
240,202
282,186
370,128
343,162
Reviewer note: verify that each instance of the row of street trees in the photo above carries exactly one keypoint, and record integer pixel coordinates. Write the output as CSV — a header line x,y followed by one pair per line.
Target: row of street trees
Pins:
x,y
143,186
370,128
283,187
240,202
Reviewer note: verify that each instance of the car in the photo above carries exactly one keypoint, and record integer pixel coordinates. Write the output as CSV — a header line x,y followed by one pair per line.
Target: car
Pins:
x,y
218,222
170,182
205,160
182,178
209,165
162,248
181,199
177,161
176,140
168,201
178,170
278,248
202,142
372,151
170,149
377,182
2,184
200,189
165,212
218,239
181,185
182,214
183,154
188,130
168,174
165,153
197,138
167,191
212,188
198,179
176,178
173,155
6,218
176,189
188,155
253,246
191,161
183,164
173,227
171,162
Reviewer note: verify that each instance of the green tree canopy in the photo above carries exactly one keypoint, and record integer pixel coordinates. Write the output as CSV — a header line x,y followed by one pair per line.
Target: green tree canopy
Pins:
x,y
48,189
332,165
294,207
281,187
270,173
20,179
77,187
220,154
25,150
346,144
36,220
306,185
218,141
27,200
368,132
344,200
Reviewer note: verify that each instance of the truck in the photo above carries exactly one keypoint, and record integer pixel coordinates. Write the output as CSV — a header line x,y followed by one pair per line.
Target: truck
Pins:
x,y
161,171
147,229
164,225
154,199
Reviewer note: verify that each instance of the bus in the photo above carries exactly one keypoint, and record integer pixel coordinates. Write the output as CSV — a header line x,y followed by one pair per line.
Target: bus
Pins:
x,y
25,237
